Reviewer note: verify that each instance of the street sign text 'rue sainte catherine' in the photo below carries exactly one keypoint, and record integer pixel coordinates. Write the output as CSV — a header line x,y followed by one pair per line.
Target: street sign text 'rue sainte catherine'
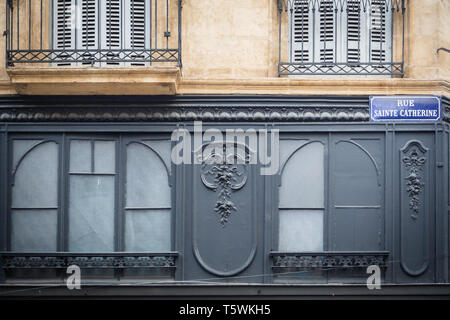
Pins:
x,y
405,108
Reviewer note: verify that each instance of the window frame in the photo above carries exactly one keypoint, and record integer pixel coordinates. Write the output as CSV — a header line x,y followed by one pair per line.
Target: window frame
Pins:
x,y
308,139
63,140
313,67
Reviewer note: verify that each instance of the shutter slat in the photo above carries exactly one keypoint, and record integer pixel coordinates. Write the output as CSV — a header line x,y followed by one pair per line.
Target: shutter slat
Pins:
x,y
63,31
327,33
135,26
112,29
89,28
380,42
354,31
300,24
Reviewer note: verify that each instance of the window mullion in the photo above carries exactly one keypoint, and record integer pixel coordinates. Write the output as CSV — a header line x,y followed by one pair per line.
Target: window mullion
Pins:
x,y
62,203
120,195
3,189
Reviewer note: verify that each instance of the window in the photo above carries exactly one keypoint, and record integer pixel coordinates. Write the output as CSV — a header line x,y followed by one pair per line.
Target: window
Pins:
x,y
111,26
342,37
148,204
93,32
34,203
301,197
92,178
94,194
330,208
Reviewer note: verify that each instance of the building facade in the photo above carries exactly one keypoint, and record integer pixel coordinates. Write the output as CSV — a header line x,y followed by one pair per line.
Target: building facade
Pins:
x,y
217,148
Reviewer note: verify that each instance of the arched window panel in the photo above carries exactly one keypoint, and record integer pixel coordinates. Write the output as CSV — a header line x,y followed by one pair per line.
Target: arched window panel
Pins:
x,y
302,178
301,199
356,217
356,175
287,148
35,176
92,195
147,178
163,148
20,147
34,206
148,198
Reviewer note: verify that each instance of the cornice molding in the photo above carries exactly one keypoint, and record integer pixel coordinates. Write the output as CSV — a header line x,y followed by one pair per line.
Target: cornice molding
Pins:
x,y
189,108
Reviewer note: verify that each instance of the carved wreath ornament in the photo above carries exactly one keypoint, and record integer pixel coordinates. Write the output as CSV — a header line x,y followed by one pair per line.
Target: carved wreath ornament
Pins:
x,y
414,164
224,175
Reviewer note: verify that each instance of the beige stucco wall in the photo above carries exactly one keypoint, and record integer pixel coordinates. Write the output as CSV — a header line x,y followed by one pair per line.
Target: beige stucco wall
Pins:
x,y
422,39
230,39
231,46
444,39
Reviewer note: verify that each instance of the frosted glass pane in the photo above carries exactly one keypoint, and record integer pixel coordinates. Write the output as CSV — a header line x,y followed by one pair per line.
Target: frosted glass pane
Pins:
x,y
20,147
164,149
36,178
105,156
287,147
147,180
302,180
80,156
147,230
33,230
301,230
91,213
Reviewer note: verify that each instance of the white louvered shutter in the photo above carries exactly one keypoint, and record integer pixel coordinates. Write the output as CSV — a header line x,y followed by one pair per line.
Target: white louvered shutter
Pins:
x,y
136,23
63,31
326,37
111,26
354,32
75,27
88,24
380,34
301,17
88,14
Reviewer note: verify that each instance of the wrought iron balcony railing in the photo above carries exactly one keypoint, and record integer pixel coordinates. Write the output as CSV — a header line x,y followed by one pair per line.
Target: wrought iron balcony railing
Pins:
x,y
93,32
114,260
341,37
14,265
329,259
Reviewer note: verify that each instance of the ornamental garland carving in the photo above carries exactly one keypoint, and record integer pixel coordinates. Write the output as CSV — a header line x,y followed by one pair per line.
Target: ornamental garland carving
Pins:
x,y
223,176
414,163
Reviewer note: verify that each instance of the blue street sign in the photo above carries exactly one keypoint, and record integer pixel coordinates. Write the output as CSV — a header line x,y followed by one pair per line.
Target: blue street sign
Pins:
x,y
405,108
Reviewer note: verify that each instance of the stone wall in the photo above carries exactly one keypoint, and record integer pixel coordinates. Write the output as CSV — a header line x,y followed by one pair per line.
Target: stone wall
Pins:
x,y
237,41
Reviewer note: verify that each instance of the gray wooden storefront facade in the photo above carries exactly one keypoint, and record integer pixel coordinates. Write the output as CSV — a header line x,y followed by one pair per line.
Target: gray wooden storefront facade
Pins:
x,y
386,197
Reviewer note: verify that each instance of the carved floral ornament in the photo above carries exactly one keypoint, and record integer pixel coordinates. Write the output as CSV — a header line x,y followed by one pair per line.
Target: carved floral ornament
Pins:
x,y
224,173
414,163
